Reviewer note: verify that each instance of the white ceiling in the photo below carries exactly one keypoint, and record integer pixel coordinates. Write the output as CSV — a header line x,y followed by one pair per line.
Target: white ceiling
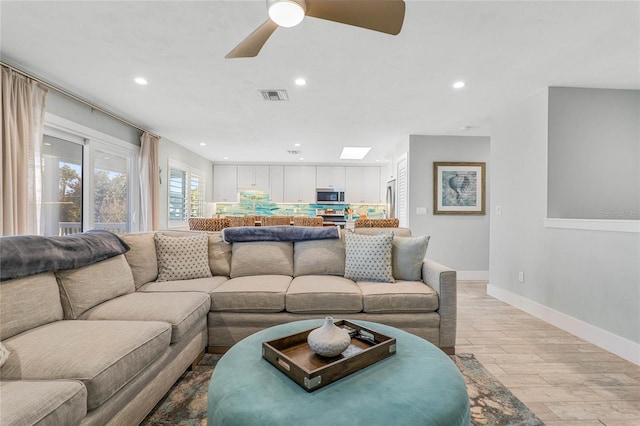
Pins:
x,y
364,88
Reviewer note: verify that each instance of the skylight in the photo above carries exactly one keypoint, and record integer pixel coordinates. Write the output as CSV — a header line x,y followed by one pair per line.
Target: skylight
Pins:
x,y
354,152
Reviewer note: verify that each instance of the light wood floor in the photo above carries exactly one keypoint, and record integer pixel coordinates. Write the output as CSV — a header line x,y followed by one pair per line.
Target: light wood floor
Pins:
x,y
561,378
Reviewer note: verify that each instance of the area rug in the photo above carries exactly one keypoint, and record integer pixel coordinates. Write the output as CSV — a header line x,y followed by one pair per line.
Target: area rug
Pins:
x,y
492,404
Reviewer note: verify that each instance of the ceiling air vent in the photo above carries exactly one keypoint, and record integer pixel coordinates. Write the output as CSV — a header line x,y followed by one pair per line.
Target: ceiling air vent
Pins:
x,y
274,95
294,151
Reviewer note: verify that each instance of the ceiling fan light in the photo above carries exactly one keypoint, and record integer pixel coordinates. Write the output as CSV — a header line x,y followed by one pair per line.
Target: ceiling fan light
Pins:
x,y
286,13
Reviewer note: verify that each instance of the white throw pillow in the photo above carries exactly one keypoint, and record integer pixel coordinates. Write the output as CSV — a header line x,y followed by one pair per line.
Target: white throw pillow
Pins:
x,y
368,257
182,258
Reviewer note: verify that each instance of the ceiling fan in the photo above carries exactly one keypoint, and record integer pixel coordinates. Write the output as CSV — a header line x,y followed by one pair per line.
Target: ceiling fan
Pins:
x,y
379,15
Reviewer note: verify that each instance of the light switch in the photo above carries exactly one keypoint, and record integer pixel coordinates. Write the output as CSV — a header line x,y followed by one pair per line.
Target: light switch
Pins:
x,y
498,209
421,210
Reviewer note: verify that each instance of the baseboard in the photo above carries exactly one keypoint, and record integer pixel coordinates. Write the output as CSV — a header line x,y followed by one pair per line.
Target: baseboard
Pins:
x,y
472,275
620,346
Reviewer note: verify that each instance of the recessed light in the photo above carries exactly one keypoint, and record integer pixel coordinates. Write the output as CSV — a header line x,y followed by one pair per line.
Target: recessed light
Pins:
x,y
464,128
458,85
203,144
300,81
141,81
225,158
354,152
301,158
296,144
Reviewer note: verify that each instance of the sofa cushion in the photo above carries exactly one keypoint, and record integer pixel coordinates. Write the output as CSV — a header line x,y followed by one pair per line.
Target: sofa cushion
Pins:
x,y
4,354
45,403
104,355
28,302
219,255
186,312
259,293
86,287
400,296
262,258
368,257
142,257
205,285
407,256
323,294
318,257
182,257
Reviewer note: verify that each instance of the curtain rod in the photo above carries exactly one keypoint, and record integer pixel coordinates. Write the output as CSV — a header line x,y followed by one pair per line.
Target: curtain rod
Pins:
x,y
77,99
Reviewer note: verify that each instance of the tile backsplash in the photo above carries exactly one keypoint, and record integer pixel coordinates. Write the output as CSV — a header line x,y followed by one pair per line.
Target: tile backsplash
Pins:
x,y
258,203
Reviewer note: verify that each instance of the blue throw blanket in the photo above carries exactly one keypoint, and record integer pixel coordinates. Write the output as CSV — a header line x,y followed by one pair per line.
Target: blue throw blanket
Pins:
x,y
23,255
278,233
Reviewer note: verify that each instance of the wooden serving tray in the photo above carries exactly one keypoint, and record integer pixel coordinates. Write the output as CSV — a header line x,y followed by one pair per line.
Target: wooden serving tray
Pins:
x,y
293,356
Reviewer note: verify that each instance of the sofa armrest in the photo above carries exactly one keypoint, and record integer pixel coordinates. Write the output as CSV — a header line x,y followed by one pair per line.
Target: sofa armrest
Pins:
x,y
443,280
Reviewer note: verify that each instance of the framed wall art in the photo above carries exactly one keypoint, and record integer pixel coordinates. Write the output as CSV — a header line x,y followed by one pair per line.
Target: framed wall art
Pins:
x,y
458,188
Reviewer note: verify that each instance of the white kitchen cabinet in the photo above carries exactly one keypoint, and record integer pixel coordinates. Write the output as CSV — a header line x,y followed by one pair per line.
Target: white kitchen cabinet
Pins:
x,y
299,184
276,195
330,177
363,185
253,178
225,183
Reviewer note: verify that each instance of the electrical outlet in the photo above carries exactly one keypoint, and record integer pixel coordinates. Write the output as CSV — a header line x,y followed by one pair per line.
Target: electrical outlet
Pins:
x,y
521,277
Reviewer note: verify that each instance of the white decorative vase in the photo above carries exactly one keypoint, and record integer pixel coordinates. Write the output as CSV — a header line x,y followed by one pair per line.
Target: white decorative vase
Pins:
x,y
328,340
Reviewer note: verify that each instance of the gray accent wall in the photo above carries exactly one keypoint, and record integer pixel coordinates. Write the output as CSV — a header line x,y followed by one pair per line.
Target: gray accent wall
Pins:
x,y
594,153
458,241
67,108
592,276
72,110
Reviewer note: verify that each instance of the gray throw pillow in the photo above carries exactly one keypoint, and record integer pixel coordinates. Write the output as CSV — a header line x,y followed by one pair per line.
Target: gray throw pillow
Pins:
x,y
368,257
182,258
408,254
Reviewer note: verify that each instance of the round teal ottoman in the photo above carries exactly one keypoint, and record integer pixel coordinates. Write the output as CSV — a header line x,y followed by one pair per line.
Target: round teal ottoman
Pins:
x,y
419,385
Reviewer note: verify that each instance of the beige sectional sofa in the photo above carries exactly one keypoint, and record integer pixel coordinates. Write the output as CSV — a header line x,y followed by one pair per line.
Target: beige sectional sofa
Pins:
x,y
101,344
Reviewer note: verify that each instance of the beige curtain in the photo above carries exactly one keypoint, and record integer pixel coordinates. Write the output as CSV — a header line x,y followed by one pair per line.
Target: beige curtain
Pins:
x,y
22,122
149,182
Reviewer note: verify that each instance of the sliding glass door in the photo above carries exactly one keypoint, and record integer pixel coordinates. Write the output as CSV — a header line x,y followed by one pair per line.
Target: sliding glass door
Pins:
x,y
88,184
61,187
111,198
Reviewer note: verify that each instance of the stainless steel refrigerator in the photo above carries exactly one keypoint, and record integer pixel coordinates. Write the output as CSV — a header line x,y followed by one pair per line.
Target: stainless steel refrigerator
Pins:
x,y
390,208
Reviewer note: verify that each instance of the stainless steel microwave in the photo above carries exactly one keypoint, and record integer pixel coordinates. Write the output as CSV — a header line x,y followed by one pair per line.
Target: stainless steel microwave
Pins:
x,y
329,196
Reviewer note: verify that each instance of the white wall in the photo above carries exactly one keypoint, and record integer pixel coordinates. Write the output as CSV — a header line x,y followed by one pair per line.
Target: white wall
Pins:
x,y
590,279
458,241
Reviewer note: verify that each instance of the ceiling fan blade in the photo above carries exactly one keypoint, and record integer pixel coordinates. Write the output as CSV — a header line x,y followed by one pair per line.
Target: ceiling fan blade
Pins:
x,y
251,45
385,16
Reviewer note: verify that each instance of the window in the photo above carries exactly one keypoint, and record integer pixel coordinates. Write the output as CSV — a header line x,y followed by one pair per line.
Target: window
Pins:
x,y
87,181
186,194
